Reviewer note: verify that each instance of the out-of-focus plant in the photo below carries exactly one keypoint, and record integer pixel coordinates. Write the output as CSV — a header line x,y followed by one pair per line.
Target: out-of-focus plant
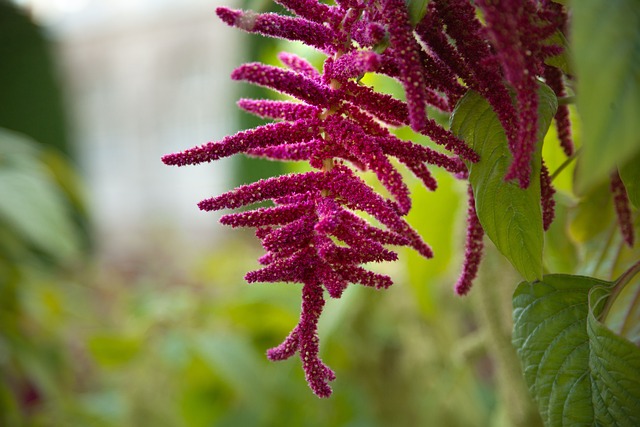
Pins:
x,y
32,101
43,229
41,242
501,71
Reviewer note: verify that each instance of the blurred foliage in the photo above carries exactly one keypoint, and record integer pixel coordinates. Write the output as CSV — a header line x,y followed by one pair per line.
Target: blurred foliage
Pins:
x,y
42,239
31,98
154,338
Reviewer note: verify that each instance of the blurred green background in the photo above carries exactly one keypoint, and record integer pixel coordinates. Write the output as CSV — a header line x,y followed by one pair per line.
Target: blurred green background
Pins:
x,y
166,334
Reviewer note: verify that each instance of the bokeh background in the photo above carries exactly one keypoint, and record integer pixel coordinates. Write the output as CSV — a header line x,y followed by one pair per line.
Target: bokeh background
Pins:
x,y
121,304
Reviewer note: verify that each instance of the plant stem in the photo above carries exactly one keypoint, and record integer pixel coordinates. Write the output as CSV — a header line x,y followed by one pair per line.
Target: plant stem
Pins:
x,y
618,286
566,100
565,164
495,309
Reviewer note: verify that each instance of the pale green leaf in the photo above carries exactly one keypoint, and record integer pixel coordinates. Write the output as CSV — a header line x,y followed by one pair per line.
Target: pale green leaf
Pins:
x,y
606,48
560,253
511,216
31,203
592,215
113,350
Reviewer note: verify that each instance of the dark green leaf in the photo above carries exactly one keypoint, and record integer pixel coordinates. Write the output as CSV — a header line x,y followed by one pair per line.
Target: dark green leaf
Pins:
x,y
511,216
551,338
630,175
614,363
608,90
579,372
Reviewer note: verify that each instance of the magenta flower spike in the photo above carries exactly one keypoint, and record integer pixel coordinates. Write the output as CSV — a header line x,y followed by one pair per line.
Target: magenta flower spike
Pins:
x,y
406,53
288,82
518,35
553,78
285,110
623,209
352,64
284,27
431,32
473,248
262,136
296,233
312,230
313,10
299,65
546,195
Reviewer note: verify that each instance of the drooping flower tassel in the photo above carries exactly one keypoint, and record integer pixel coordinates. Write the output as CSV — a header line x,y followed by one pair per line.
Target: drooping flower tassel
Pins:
x,y
623,209
473,248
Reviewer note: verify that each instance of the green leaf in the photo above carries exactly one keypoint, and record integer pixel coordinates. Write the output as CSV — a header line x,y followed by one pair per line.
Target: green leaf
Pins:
x,y
113,350
592,215
31,203
615,371
579,372
550,336
560,61
608,88
560,253
511,216
234,359
630,175
417,9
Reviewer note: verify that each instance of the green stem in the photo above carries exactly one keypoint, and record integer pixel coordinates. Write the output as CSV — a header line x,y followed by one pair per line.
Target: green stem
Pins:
x,y
566,100
495,309
565,164
618,286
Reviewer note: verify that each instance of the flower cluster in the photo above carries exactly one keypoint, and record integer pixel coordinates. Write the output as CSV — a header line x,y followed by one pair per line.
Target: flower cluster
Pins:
x,y
311,231
622,208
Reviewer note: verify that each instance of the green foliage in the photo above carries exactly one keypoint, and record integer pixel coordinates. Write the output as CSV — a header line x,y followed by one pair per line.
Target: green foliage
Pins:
x,y
34,209
511,216
100,345
563,60
614,363
608,88
623,317
630,175
592,215
579,371
32,101
41,236
417,10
